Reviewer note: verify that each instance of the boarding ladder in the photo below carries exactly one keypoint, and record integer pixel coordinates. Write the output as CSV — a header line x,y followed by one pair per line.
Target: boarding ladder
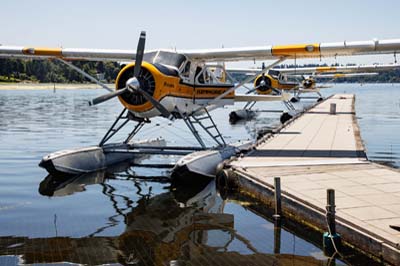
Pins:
x,y
206,122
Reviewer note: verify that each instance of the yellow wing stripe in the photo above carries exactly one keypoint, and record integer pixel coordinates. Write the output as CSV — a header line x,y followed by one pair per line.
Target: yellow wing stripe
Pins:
x,y
339,75
43,51
326,69
301,50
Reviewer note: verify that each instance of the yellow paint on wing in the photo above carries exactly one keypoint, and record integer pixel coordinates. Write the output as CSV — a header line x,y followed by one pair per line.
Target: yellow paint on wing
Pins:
x,y
326,69
339,75
298,50
43,51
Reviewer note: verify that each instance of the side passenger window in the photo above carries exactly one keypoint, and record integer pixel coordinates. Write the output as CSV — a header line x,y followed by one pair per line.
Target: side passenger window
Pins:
x,y
199,75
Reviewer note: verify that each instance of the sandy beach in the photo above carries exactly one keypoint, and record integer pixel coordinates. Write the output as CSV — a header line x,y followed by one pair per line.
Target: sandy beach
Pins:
x,y
49,86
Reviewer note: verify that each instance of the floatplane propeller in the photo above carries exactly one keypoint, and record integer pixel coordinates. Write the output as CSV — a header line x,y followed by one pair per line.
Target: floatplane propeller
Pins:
x,y
133,85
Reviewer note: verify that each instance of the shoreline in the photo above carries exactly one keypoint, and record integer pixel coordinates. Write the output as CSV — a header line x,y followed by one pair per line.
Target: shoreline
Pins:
x,y
50,86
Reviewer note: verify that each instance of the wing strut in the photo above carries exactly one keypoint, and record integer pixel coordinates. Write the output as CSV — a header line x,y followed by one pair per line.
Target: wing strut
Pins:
x,y
236,81
86,75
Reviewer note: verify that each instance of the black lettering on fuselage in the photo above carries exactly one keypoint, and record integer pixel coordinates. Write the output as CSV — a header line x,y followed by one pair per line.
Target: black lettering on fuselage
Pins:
x,y
169,85
210,91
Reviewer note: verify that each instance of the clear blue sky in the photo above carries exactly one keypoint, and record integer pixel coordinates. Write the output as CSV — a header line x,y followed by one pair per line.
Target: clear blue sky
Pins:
x,y
194,24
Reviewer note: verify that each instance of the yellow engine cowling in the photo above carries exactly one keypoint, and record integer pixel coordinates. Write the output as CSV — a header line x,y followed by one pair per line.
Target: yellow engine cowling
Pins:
x,y
269,82
155,79
309,83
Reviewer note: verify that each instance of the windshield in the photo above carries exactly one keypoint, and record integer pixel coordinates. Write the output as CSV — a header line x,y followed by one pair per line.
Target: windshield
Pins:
x,y
171,59
274,73
149,57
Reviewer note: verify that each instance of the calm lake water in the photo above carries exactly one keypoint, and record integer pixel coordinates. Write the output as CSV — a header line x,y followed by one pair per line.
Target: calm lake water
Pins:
x,y
115,217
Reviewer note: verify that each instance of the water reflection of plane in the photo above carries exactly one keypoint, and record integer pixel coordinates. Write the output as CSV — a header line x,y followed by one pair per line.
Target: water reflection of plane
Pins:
x,y
178,226
63,185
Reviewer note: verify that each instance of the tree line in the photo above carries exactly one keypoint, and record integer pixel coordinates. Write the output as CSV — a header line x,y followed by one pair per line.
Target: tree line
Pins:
x,y
50,71
387,76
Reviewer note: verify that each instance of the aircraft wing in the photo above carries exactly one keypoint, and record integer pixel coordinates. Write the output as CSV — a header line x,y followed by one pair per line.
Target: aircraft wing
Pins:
x,y
68,53
345,75
311,50
320,70
339,69
246,71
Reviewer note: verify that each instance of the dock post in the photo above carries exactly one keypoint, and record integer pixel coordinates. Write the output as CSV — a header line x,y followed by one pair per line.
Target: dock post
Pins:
x,y
331,239
277,237
330,210
278,204
332,109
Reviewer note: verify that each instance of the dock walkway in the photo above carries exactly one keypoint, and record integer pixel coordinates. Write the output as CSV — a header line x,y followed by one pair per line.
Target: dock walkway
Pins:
x,y
318,151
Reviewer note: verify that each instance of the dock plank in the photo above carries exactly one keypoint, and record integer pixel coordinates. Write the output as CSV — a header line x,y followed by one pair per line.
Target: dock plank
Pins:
x,y
318,151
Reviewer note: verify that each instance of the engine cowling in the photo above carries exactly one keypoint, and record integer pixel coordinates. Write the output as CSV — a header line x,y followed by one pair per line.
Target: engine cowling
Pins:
x,y
309,83
133,100
263,84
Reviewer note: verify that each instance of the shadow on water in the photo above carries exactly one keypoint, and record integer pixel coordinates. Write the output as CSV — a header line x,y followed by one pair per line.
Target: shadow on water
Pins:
x,y
179,226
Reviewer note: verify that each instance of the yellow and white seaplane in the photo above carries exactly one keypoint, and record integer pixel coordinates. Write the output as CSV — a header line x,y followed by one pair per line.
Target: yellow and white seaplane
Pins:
x,y
277,80
177,85
298,80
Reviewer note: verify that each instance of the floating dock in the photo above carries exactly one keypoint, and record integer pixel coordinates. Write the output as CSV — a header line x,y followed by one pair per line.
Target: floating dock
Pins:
x,y
317,151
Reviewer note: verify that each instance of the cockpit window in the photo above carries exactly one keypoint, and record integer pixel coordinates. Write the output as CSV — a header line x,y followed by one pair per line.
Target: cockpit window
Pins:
x,y
171,59
165,58
149,57
274,73
210,74
186,69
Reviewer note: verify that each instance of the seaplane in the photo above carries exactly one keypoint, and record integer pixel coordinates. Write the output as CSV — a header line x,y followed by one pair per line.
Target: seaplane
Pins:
x,y
298,80
176,85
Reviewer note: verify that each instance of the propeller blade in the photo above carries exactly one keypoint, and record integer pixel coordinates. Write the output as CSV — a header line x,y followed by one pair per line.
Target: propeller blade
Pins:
x,y
139,54
259,86
277,92
263,85
252,90
136,71
262,68
155,103
107,97
134,84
